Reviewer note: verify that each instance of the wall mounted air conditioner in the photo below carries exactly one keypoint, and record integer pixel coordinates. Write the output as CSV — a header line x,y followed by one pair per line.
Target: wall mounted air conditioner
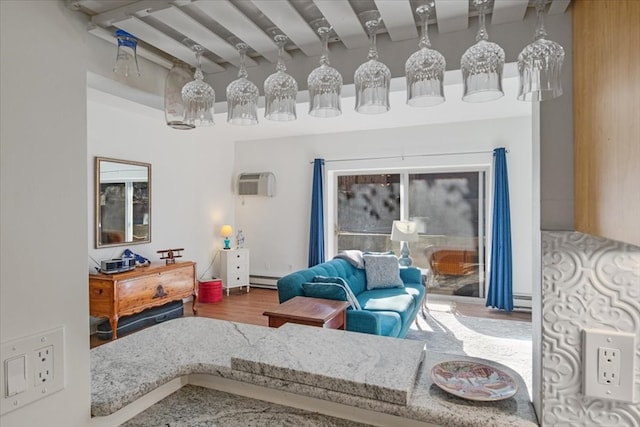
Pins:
x,y
257,184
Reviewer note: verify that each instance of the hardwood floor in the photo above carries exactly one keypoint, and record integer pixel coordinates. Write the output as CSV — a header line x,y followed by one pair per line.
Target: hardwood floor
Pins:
x,y
244,307
239,306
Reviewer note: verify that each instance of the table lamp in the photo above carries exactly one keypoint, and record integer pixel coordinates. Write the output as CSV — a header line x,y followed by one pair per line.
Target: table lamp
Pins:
x,y
405,232
226,231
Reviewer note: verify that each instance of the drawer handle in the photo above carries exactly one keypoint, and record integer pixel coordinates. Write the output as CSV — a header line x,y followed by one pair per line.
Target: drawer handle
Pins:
x,y
98,291
237,256
160,292
238,267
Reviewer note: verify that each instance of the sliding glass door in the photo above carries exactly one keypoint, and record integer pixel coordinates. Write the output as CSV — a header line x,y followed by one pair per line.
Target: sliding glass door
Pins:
x,y
449,208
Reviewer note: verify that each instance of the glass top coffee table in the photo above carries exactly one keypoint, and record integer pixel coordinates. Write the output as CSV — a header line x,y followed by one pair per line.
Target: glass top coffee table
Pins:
x,y
324,313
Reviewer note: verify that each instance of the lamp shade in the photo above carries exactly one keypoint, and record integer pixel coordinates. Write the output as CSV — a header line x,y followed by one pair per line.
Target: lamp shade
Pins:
x,y
404,231
226,231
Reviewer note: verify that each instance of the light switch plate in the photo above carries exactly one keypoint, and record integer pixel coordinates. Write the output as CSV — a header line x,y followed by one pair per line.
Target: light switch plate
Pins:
x,y
608,359
42,353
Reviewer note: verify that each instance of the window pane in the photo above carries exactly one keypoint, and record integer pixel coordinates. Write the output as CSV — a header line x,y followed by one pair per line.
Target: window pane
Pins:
x,y
448,207
367,206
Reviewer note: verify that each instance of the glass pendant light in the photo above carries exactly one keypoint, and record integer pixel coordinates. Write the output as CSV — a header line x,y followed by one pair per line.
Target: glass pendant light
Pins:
x,y
372,79
242,95
325,82
280,89
482,64
425,69
126,56
540,64
198,96
179,75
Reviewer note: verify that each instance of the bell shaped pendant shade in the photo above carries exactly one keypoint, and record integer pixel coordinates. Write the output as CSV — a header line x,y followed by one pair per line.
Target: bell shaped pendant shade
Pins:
x,y
424,69
324,82
482,64
242,95
372,79
178,76
280,89
126,55
198,97
540,65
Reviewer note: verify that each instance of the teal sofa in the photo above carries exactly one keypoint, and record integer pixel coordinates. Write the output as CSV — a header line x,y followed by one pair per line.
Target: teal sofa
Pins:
x,y
384,311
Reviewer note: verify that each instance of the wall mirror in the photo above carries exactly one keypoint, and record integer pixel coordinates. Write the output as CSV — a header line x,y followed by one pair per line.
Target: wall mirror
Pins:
x,y
123,202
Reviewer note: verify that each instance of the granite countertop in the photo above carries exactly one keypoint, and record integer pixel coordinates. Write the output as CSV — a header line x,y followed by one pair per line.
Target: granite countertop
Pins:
x,y
381,374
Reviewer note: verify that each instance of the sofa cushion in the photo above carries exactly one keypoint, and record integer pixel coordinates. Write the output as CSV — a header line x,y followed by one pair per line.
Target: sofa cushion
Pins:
x,y
343,284
388,323
382,271
392,299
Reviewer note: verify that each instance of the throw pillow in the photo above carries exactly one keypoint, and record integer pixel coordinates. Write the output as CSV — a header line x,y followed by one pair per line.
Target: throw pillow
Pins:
x,y
351,297
332,291
382,271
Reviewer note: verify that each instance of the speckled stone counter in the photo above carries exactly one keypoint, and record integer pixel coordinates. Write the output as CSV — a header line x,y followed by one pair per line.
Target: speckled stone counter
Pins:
x,y
358,368
192,405
125,370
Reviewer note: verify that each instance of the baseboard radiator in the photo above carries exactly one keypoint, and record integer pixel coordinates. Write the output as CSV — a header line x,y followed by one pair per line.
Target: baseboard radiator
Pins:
x,y
268,282
522,302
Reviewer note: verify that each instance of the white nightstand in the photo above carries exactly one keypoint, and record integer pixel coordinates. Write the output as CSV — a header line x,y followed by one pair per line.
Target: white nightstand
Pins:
x,y
234,268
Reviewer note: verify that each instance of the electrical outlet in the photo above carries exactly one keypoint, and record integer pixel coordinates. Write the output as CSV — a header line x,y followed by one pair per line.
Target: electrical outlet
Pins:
x,y
43,364
32,368
608,364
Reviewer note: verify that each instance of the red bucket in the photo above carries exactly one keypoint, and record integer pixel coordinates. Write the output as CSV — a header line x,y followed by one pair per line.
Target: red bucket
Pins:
x,y
210,291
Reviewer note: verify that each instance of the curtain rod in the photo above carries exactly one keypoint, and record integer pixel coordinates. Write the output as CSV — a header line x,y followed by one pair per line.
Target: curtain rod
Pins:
x,y
409,155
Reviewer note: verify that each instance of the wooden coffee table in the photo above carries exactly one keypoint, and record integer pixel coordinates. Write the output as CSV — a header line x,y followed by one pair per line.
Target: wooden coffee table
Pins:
x,y
324,313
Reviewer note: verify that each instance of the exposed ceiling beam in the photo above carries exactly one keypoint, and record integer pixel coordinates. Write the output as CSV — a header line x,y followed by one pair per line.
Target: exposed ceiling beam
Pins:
x,y
227,15
452,15
558,7
160,40
508,11
287,19
398,19
185,24
344,22
144,53
140,9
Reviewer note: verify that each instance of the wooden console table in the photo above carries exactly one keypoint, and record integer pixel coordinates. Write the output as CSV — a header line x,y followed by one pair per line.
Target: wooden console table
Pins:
x,y
130,292
324,313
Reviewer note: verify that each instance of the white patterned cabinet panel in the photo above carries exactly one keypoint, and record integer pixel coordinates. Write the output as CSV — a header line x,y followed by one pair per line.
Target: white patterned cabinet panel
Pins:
x,y
234,268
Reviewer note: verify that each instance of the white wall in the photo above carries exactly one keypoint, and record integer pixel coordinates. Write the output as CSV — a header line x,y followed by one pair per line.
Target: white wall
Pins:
x,y
190,182
277,228
43,279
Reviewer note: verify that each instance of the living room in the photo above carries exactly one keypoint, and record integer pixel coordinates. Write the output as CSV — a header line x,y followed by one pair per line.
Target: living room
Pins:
x,y
184,214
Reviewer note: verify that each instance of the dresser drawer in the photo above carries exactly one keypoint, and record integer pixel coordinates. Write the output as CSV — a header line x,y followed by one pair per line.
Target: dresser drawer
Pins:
x,y
237,280
141,292
101,298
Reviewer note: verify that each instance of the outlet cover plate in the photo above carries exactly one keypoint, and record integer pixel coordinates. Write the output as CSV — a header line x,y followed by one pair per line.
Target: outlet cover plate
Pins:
x,y
594,340
29,347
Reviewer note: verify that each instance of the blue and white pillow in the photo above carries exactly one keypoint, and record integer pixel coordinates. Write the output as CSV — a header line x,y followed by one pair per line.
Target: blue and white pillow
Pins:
x,y
335,288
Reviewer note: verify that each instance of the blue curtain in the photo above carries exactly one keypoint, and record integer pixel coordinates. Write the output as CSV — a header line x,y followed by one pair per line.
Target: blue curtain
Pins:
x,y
316,233
500,279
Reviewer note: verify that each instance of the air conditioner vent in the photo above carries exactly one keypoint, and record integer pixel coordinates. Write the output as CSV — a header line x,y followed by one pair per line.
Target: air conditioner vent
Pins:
x,y
257,184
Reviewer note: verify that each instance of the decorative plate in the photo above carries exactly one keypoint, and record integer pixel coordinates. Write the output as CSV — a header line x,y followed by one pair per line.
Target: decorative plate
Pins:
x,y
473,381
